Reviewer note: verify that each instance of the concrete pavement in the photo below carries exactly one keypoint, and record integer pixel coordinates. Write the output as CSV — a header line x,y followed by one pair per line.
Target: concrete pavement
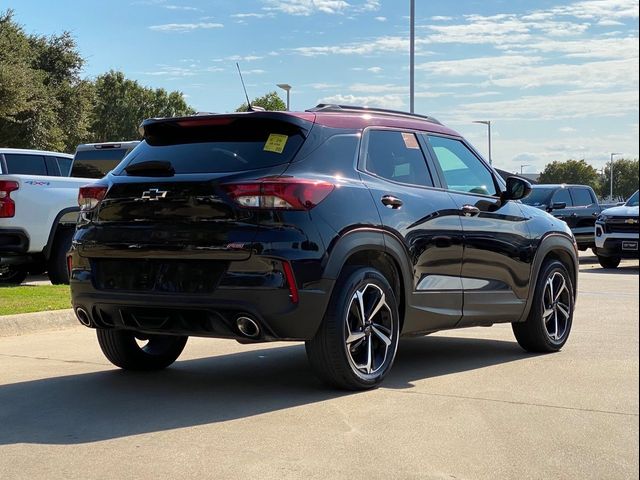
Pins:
x,y
462,404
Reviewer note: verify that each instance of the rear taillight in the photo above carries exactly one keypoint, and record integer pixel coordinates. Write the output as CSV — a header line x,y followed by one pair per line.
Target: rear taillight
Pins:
x,y
90,196
282,194
7,205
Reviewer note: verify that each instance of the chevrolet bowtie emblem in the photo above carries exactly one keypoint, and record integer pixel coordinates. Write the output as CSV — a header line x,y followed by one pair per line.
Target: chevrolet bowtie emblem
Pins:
x,y
631,221
153,194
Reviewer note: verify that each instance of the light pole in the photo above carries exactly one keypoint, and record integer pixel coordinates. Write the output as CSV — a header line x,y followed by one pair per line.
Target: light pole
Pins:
x,y
522,166
488,124
287,88
412,53
611,173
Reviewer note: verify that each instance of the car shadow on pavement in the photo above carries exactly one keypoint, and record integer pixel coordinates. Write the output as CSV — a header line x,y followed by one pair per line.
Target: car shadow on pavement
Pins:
x,y
103,405
622,270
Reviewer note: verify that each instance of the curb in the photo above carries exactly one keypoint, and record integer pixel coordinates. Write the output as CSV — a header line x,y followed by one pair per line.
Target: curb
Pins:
x,y
24,323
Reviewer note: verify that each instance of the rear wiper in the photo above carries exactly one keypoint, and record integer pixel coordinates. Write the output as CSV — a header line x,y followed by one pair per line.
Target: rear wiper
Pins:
x,y
151,168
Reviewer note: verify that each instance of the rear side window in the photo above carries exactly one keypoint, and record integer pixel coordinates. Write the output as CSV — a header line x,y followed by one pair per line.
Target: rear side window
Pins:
x,y
21,164
462,170
230,145
96,163
563,196
397,156
64,165
581,197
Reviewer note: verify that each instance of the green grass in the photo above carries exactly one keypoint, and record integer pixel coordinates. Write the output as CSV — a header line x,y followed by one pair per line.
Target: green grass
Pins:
x,y
33,298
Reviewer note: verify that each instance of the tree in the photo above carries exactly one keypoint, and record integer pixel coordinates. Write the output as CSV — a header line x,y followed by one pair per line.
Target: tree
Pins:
x,y
625,178
570,171
45,104
42,97
122,104
271,102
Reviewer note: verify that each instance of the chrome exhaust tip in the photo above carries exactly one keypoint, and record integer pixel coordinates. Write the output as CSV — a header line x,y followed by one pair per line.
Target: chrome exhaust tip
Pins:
x,y
83,316
247,327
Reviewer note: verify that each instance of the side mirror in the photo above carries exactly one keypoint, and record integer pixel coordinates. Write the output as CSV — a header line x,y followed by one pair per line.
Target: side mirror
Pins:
x,y
558,206
517,189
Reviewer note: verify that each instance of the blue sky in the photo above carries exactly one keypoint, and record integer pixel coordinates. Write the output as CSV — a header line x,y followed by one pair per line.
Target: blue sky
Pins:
x,y
558,79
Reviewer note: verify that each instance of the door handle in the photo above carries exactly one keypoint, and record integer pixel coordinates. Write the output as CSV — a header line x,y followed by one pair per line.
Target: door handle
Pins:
x,y
390,201
470,211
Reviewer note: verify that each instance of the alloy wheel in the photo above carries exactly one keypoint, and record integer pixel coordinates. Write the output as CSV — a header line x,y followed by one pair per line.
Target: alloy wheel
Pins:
x,y
368,329
556,307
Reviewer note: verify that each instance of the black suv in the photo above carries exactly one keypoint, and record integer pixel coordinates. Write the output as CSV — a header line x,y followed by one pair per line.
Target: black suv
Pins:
x,y
340,226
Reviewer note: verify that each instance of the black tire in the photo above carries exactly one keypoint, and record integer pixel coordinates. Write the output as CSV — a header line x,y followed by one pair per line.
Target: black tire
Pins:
x,y
374,340
12,276
122,349
57,269
534,334
609,262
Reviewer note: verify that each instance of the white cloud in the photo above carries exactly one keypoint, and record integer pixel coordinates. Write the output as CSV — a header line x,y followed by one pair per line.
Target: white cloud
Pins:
x,y
311,7
307,7
378,45
380,19
382,101
184,27
440,18
374,69
561,105
250,15
182,8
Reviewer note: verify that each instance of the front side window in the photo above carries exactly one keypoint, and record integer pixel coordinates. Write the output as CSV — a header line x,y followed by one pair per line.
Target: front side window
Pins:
x,y
581,197
397,156
463,171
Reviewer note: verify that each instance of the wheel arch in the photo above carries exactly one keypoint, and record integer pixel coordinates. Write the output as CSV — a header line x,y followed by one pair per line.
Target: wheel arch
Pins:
x,y
376,249
553,246
58,223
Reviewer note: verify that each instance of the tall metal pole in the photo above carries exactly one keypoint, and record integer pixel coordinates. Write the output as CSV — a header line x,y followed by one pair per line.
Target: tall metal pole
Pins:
x,y
288,93
489,126
611,173
412,51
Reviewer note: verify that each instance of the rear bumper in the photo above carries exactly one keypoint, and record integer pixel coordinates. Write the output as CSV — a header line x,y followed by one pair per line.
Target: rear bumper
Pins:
x,y
212,315
13,241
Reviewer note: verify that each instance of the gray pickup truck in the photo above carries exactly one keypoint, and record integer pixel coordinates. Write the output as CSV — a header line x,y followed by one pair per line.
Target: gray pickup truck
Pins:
x,y
577,205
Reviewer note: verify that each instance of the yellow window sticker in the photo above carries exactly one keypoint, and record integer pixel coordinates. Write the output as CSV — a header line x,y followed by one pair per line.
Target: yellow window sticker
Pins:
x,y
275,143
410,140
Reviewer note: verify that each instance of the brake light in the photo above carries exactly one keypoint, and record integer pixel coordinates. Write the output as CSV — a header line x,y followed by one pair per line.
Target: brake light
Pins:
x,y
7,205
280,193
90,196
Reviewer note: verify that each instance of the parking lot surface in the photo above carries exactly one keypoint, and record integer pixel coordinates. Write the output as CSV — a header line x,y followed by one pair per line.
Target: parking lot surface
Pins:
x,y
458,404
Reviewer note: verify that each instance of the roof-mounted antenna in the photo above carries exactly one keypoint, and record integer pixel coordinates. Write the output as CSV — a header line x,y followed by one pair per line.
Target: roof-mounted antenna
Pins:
x,y
249,107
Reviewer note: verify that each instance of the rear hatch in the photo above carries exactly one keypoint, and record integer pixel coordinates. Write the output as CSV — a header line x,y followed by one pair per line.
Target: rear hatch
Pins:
x,y
167,203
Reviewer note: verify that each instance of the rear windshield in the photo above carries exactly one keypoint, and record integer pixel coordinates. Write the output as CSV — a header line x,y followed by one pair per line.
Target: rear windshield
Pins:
x,y
230,145
96,163
538,196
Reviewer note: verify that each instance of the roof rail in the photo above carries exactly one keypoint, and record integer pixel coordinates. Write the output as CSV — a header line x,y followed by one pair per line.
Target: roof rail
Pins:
x,y
329,107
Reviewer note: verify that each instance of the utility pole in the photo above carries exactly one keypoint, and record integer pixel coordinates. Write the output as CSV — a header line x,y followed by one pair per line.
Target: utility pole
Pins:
x,y
611,173
412,52
488,124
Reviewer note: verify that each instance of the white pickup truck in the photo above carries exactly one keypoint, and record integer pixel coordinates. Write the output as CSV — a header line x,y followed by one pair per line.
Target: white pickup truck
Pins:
x,y
38,213
39,205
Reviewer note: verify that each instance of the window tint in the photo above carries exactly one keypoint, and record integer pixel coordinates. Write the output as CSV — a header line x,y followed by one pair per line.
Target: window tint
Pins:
x,y
562,195
463,171
231,145
64,165
25,164
96,163
397,156
581,197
